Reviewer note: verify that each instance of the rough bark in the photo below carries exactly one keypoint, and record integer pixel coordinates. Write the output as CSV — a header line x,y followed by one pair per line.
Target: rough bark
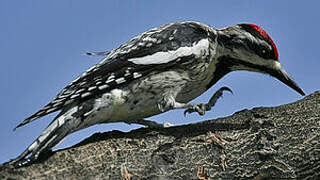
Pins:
x,y
262,143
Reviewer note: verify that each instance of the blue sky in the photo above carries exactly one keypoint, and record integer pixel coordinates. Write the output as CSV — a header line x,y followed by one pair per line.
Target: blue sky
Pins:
x,y
43,43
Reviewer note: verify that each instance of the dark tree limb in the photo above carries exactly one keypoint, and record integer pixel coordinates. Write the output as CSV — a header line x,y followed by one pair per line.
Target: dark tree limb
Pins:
x,y
262,143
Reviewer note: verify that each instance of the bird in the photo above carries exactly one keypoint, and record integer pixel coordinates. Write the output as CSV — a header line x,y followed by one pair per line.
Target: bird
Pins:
x,y
159,70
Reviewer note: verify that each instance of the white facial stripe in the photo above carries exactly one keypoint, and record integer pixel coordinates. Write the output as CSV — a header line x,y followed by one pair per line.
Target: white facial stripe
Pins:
x,y
277,65
258,61
247,35
165,57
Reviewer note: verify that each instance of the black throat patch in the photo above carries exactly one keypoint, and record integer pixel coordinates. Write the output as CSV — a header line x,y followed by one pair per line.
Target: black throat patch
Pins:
x,y
223,67
225,64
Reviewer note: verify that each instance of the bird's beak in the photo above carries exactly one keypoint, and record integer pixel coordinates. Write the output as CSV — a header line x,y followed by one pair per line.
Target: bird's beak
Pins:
x,y
279,73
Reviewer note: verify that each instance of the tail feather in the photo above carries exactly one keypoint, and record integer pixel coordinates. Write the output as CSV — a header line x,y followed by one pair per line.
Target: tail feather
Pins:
x,y
49,108
59,128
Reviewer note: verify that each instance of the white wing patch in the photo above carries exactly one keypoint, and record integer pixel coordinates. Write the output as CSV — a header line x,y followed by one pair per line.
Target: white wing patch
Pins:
x,y
165,57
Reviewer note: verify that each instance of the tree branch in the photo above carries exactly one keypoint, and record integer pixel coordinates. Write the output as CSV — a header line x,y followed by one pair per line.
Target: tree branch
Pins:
x,y
274,142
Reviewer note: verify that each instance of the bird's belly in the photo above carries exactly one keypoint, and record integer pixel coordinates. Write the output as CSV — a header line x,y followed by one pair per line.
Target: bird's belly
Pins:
x,y
190,91
187,95
140,98
193,89
198,82
120,106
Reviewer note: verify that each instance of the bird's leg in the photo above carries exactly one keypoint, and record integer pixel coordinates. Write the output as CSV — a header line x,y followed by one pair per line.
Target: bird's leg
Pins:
x,y
149,123
202,108
169,103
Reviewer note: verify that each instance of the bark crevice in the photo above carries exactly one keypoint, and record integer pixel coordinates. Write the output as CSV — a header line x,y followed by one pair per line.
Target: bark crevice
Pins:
x,y
262,143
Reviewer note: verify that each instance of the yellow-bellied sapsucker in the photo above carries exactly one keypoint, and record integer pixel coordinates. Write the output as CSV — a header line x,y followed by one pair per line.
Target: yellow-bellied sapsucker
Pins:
x,y
159,70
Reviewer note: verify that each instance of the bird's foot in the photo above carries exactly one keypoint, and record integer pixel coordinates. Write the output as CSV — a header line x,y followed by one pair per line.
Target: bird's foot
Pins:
x,y
149,123
199,108
155,125
167,124
202,108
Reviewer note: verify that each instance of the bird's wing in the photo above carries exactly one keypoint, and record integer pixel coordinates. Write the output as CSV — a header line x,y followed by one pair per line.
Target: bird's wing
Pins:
x,y
154,50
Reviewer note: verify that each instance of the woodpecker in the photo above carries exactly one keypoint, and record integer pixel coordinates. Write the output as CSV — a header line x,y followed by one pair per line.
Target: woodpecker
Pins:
x,y
160,70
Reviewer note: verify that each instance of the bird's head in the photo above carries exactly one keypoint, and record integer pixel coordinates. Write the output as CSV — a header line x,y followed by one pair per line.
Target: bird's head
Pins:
x,y
249,47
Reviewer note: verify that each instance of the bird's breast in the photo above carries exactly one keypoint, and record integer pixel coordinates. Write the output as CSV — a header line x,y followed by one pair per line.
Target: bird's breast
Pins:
x,y
200,75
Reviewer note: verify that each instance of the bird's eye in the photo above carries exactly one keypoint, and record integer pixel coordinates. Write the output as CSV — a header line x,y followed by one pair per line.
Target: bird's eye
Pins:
x,y
263,51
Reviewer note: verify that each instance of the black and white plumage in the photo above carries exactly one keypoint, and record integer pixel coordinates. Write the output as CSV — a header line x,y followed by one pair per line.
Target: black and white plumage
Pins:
x,y
162,69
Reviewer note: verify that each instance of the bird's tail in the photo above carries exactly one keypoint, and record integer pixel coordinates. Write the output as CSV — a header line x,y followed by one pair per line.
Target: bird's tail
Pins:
x,y
59,128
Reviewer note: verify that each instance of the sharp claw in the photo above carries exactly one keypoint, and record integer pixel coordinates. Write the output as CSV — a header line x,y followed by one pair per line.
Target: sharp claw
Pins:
x,y
201,113
225,88
208,108
199,108
202,108
187,111
165,125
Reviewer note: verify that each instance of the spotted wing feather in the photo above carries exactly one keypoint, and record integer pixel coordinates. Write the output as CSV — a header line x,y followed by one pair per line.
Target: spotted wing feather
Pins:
x,y
117,70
